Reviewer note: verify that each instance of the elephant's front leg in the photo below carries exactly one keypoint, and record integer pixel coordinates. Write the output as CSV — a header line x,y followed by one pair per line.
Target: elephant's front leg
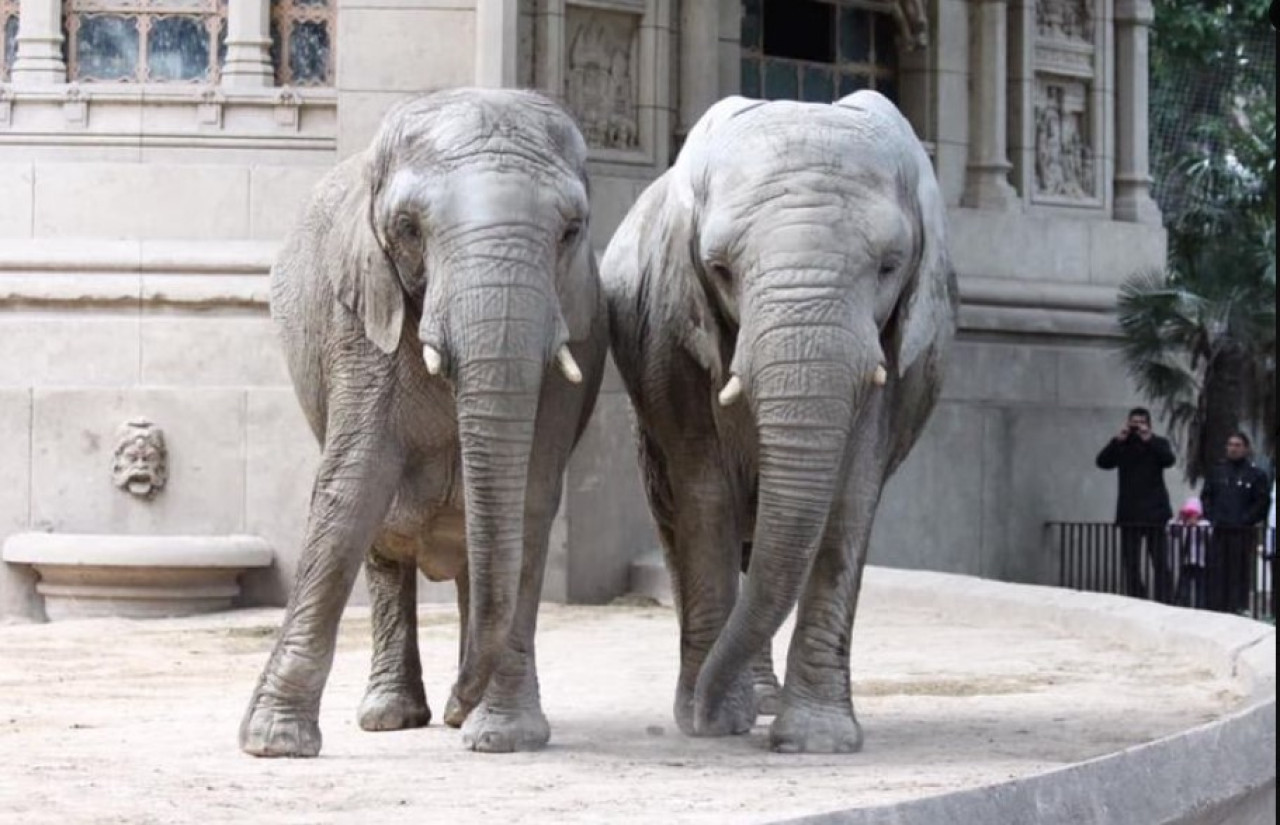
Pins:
x,y
352,493
764,682
704,564
816,708
395,698
505,714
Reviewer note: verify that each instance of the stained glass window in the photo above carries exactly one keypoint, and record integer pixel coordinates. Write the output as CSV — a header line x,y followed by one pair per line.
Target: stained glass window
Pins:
x,y
302,42
817,50
145,41
8,36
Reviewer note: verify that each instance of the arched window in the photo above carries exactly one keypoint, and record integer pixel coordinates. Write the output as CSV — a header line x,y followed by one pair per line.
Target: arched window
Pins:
x,y
302,42
817,50
8,36
145,41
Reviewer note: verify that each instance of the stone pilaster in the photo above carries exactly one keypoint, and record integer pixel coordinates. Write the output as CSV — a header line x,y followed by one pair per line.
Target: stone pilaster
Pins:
x,y
699,61
1133,200
38,60
248,63
497,50
987,173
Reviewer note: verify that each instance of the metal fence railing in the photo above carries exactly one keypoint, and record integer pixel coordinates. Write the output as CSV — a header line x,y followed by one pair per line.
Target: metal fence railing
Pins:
x,y
1231,570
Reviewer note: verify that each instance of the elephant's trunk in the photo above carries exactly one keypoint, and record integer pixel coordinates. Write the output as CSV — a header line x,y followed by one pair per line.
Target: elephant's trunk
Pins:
x,y
502,333
806,379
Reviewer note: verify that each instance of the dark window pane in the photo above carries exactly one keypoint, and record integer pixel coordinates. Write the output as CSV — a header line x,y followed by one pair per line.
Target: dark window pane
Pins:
x,y
750,77
310,4
107,47
10,42
819,86
886,41
800,29
751,26
855,36
309,52
178,49
887,87
780,80
851,82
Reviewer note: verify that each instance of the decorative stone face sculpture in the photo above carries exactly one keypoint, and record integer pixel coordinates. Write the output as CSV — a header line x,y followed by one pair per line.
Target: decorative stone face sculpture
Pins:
x,y
140,463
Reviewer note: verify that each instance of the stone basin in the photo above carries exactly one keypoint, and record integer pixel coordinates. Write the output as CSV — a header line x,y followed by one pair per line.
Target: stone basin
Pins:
x,y
138,577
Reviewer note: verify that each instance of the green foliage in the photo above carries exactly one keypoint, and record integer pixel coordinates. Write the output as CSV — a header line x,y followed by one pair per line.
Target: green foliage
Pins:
x,y
1199,337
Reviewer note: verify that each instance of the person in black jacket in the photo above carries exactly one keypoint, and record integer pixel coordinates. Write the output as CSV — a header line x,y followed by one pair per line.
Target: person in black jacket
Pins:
x,y
1236,498
1142,501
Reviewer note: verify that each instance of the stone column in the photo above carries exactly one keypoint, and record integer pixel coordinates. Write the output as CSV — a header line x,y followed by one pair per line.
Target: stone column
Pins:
x,y
699,61
1133,200
248,63
38,60
497,35
987,180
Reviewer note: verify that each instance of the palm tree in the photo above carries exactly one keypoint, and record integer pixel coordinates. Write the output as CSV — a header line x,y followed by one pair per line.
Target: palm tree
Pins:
x,y
1200,337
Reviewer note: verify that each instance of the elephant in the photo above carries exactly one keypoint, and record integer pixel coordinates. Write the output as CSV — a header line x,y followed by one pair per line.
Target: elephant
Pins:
x,y
445,332
781,302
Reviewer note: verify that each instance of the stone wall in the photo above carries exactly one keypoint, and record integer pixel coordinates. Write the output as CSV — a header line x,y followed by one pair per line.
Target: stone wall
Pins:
x,y
137,225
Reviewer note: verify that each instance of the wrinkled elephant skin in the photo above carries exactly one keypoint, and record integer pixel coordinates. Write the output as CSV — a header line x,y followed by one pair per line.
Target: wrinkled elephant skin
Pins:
x,y
446,333
780,302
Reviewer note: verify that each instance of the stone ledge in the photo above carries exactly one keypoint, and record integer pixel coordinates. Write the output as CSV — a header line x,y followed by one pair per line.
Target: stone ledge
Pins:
x,y
135,551
85,575
89,272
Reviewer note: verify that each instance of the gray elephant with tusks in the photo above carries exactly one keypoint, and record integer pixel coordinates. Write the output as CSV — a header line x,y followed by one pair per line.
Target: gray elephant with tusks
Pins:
x,y
780,302
446,334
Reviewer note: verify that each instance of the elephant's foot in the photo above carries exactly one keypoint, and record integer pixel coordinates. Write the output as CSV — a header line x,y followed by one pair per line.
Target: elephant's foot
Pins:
x,y
394,707
275,731
489,730
456,710
768,695
728,715
815,729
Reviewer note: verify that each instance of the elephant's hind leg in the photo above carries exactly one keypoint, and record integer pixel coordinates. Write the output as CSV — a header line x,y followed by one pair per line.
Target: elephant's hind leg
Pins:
x,y
394,699
353,491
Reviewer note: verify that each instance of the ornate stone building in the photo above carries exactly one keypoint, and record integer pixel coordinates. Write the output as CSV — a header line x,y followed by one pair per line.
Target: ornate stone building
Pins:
x,y
153,153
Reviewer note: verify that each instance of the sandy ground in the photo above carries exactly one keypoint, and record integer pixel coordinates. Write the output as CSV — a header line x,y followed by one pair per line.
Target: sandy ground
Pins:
x,y
114,721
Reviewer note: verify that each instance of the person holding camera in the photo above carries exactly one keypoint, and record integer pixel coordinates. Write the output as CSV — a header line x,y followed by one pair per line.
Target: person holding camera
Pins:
x,y
1140,458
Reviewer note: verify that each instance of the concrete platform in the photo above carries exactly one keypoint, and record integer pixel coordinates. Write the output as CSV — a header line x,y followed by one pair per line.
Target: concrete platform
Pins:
x,y
981,703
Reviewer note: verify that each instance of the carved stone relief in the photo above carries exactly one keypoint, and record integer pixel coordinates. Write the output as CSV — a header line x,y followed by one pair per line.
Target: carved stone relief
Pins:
x,y
601,75
1064,152
1065,19
140,462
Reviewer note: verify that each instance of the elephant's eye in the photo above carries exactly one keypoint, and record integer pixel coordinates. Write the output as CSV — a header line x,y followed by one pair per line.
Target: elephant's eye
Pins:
x,y
571,233
407,228
888,266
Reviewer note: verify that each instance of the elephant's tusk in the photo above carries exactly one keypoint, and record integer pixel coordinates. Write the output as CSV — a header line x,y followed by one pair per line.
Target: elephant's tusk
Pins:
x,y
880,376
568,366
431,357
732,391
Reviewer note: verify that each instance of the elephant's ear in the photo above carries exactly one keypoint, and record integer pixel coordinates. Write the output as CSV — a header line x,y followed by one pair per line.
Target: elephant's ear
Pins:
x,y
931,295
579,292
653,289
364,279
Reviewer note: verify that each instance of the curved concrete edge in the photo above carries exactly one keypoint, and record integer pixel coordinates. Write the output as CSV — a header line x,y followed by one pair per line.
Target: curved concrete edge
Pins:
x,y
96,550
1232,646
1212,774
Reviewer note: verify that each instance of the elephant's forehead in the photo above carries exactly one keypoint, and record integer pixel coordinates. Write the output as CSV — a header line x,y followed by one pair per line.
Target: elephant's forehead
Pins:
x,y
824,141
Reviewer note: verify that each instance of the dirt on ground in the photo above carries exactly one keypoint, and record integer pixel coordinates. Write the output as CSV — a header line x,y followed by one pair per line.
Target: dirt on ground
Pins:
x,y
117,721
